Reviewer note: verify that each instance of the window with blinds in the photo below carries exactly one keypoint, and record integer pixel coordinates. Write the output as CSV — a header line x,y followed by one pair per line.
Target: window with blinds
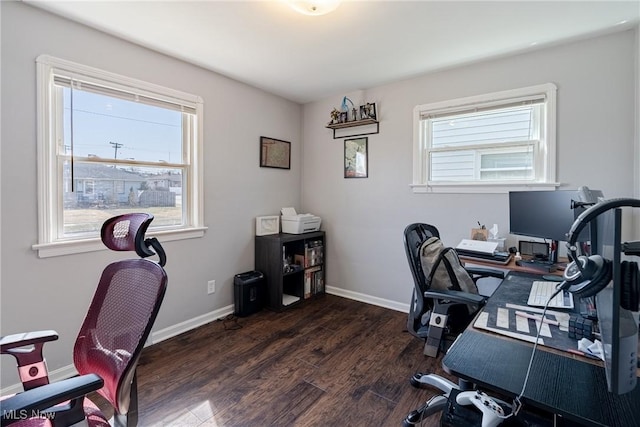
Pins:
x,y
501,138
109,145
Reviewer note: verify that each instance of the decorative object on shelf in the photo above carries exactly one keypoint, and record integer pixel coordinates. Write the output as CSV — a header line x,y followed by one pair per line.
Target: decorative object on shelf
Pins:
x,y
335,116
266,225
368,111
355,158
345,108
344,117
275,153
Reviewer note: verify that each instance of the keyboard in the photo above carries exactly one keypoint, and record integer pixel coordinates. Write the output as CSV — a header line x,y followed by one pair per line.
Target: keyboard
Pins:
x,y
542,290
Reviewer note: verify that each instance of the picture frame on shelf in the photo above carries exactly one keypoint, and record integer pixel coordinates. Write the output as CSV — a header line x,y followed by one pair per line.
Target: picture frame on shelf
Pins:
x,y
344,117
266,225
356,158
368,111
275,153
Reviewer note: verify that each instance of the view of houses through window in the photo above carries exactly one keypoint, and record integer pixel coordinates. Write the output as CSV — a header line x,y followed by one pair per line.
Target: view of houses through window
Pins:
x,y
110,144
117,156
101,191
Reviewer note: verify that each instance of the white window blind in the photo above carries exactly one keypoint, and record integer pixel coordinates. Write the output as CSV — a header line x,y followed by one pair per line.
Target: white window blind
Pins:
x,y
109,144
489,127
500,138
60,78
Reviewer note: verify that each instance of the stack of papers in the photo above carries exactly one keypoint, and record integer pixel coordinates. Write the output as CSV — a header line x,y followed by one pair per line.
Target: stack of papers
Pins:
x,y
289,299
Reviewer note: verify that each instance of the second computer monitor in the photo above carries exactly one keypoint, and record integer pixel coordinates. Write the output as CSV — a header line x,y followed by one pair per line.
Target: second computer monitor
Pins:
x,y
544,214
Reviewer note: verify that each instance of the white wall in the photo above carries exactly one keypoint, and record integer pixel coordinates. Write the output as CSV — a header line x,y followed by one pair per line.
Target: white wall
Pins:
x,y
54,293
364,218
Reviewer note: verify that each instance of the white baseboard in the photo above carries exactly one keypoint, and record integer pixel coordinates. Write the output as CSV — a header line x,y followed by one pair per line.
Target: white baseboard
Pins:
x,y
154,338
182,327
187,325
380,302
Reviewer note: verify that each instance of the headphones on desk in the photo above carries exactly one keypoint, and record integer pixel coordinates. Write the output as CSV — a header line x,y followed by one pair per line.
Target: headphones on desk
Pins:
x,y
586,276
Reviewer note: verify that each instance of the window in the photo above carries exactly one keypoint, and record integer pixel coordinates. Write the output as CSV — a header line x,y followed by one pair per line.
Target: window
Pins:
x,y
108,145
489,143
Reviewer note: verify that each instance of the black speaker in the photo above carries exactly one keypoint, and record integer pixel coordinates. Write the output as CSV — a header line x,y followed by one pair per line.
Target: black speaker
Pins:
x,y
586,276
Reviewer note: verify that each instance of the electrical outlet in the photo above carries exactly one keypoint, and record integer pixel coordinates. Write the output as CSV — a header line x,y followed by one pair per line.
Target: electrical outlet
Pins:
x,y
211,287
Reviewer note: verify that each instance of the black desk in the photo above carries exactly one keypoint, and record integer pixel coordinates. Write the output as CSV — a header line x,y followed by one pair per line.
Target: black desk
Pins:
x,y
560,383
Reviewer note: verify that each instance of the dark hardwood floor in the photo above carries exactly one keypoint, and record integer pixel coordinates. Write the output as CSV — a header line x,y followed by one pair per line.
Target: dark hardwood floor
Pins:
x,y
328,362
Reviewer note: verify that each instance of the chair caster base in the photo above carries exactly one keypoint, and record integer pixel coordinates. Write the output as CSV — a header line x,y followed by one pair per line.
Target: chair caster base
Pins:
x,y
415,380
414,418
435,405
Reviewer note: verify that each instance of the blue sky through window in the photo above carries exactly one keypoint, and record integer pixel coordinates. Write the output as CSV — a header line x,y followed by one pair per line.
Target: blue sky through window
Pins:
x,y
143,132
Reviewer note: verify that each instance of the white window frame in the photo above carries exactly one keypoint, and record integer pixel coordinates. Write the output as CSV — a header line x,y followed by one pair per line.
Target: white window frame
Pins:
x,y
492,150
545,152
50,206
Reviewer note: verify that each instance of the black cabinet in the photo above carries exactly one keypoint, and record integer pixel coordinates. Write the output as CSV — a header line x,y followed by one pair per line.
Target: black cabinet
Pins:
x,y
293,266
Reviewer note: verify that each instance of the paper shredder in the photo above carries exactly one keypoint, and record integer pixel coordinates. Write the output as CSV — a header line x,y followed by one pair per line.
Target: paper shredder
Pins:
x,y
249,292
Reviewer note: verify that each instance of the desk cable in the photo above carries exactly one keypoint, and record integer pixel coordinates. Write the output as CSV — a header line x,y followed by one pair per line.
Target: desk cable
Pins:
x,y
517,404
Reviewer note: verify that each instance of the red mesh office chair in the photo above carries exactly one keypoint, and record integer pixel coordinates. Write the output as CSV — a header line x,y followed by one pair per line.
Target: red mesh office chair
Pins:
x,y
109,344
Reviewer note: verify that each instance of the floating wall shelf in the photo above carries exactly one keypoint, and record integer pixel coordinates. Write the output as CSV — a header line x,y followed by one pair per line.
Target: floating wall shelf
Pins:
x,y
355,123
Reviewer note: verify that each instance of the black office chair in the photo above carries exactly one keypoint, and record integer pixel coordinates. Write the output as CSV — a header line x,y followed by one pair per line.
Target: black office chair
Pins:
x,y
439,315
106,352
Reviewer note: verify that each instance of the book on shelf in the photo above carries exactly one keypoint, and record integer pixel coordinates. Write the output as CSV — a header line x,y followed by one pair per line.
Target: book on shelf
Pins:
x,y
319,282
307,285
313,281
313,253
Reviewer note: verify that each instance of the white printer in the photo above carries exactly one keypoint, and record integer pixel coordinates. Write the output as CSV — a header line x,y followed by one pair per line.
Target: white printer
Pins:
x,y
295,223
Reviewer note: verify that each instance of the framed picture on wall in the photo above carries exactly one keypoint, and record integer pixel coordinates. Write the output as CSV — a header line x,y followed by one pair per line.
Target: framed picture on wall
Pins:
x,y
275,153
356,158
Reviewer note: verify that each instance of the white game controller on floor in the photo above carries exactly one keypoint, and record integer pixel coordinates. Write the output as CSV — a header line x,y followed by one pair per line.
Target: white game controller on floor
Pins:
x,y
492,413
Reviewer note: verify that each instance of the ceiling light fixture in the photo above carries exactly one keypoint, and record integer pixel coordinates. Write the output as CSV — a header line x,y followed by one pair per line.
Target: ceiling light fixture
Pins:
x,y
314,7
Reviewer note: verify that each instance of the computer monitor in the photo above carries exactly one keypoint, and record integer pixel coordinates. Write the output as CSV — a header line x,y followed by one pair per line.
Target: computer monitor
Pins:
x,y
618,328
544,214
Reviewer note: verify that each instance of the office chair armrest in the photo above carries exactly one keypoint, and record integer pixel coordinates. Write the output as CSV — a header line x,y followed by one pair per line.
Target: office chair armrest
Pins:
x,y
37,401
27,349
10,342
456,296
485,272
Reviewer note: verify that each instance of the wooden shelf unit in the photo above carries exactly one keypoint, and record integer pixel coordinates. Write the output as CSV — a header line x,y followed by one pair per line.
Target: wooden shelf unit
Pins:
x,y
306,274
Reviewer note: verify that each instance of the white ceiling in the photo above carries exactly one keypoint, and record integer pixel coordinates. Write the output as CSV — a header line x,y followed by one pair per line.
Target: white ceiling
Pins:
x,y
360,45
